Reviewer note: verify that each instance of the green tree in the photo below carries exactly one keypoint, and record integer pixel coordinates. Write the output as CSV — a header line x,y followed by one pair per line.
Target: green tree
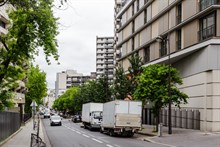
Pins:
x,y
32,26
134,71
93,91
154,85
37,87
65,102
120,84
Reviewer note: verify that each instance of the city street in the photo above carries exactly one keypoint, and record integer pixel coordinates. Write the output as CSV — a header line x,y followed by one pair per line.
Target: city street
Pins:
x,y
72,135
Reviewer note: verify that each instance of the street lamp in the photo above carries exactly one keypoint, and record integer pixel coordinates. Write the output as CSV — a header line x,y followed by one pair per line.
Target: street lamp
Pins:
x,y
167,41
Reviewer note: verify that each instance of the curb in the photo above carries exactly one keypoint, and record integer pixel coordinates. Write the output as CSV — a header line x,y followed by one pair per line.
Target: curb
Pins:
x,y
11,136
147,134
46,139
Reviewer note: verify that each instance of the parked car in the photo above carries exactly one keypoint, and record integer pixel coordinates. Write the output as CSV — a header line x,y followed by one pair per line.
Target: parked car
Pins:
x,y
76,118
55,120
46,115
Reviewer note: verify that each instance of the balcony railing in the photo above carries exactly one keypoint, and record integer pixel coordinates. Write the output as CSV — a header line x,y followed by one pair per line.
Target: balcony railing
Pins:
x,y
207,33
206,3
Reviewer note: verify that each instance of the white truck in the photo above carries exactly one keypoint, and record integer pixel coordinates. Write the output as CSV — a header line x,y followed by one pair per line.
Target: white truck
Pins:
x,y
121,117
92,115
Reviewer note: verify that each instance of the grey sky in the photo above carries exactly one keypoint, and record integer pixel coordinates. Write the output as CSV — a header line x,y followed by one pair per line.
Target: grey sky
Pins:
x,y
80,23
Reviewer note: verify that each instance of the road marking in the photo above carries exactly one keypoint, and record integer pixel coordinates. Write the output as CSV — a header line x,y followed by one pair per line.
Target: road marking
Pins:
x,y
91,135
85,135
109,145
78,132
149,140
97,140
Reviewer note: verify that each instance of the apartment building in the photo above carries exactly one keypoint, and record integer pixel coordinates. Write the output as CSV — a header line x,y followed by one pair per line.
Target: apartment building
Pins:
x,y
190,30
104,57
67,79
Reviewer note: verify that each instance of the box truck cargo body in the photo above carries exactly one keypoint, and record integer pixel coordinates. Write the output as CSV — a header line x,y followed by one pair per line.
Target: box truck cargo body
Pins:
x,y
121,117
92,115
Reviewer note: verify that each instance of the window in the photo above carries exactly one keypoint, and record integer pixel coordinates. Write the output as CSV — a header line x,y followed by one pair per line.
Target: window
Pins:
x,y
146,54
163,47
137,5
178,42
179,14
145,1
133,27
132,44
207,27
132,9
2,24
206,3
145,16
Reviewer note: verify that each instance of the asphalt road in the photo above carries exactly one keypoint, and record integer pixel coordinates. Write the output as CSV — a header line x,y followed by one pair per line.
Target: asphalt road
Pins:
x,y
72,135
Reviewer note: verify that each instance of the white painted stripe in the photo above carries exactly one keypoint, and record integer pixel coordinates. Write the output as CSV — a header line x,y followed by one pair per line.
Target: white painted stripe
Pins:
x,y
109,145
78,132
97,140
85,135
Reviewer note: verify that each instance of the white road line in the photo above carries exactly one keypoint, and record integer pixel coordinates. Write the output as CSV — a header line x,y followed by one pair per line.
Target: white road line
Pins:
x,y
109,145
97,140
78,132
85,135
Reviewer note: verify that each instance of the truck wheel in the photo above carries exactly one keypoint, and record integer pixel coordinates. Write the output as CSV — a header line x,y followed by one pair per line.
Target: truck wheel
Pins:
x,y
101,130
111,133
131,134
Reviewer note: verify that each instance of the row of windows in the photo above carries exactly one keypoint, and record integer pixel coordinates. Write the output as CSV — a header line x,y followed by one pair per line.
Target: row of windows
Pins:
x,y
207,26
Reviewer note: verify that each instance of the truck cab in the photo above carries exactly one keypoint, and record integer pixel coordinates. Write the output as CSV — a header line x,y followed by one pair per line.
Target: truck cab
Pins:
x,y
95,119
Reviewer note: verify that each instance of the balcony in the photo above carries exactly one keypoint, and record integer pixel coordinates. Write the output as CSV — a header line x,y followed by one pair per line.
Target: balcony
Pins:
x,y
206,3
207,33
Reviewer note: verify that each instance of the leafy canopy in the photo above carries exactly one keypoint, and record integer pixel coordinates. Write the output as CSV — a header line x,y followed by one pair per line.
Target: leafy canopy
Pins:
x,y
32,26
37,87
153,87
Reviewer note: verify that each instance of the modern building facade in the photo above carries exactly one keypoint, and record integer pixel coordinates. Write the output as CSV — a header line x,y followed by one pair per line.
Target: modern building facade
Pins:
x,y
67,79
104,57
191,40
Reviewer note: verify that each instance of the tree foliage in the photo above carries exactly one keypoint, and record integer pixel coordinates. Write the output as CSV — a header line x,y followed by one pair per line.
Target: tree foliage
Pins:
x,y
120,84
134,71
154,85
66,101
37,87
32,26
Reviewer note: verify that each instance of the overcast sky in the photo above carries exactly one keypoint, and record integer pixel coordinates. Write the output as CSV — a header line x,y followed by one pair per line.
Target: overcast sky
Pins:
x,y
80,22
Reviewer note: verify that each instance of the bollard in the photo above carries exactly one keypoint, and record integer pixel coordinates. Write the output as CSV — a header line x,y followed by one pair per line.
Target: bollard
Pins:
x,y
160,129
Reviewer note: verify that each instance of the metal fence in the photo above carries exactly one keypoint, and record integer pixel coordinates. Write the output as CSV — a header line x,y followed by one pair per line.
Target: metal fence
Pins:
x,y
9,123
27,116
188,119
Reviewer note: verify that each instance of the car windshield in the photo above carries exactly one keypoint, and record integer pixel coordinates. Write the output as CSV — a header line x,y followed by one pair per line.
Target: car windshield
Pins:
x,y
55,118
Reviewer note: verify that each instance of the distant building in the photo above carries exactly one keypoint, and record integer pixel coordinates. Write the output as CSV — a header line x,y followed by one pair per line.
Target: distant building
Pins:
x,y
67,79
49,100
104,57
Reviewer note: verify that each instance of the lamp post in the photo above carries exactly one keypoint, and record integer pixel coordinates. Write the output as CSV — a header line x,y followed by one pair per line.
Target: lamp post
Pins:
x,y
166,41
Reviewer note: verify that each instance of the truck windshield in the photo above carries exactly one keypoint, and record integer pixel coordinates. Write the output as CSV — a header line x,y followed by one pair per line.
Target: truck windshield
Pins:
x,y
97,115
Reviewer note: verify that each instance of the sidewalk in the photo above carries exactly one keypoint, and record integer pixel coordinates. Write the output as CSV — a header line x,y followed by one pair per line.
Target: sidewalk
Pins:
x,y
23,137
181,137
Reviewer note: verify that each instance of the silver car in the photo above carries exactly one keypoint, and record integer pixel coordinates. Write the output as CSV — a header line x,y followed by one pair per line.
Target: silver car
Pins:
x,y
55,120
